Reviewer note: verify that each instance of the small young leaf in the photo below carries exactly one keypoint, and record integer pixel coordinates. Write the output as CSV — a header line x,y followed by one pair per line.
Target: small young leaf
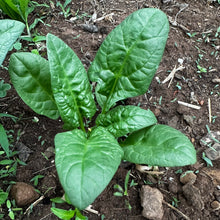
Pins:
x,y
86,166
159,145
126,119
3,197
63,214
3,88
9,32
30,76
70,84
129,57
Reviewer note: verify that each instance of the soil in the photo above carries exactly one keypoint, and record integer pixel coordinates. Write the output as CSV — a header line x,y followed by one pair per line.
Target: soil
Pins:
x,y
198,17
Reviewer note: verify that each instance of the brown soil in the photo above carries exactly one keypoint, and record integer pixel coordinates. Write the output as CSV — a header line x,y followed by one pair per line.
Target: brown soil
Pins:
x,y
200,17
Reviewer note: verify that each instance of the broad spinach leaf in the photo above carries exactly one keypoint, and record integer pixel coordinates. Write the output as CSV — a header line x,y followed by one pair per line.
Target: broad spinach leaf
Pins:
x,y
30,76
10,30
86,165
159,145
126,119
70,84
129,57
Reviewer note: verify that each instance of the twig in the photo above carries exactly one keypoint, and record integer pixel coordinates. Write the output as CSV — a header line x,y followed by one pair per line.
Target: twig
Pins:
x,y
33,204
108,17
171,75
44,169
177,210
210,110
189,105
89,209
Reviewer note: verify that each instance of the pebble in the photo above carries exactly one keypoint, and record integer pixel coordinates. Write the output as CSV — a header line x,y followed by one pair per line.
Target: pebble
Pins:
x,y
151,201
215,205
23,151
188,177
214,173
23,194
173,122
188,119
214,152
49,152
193,196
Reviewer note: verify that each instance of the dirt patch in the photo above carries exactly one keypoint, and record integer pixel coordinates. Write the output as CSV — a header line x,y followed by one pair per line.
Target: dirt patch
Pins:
x,y
192,43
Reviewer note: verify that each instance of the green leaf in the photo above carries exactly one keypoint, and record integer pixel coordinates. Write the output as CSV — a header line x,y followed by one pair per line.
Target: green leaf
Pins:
x,y
159,145
129,57
3,197
4,140
9,32
30,76
126,119
70,83
86,166
15,9
10,9
63,214
3,88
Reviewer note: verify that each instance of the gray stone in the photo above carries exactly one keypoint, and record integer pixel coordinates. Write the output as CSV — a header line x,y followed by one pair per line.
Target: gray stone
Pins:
x,y
151,201
49,152
23,151
213,153
188,119
173,122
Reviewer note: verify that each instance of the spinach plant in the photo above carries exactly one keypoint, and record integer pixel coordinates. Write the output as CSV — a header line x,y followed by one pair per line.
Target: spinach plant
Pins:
x,y
87,158
17,10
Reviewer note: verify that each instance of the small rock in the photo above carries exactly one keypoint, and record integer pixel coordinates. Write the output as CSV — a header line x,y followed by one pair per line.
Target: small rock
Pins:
x,y
216,80
209,138
23,194
23,151
151,201
193,196
49,152
188,119
157,112
90,28
214,152
215,205
173,122
188,177
214,173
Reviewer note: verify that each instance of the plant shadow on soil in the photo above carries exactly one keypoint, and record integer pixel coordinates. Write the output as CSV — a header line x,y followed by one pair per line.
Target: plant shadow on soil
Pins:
x,y
200,17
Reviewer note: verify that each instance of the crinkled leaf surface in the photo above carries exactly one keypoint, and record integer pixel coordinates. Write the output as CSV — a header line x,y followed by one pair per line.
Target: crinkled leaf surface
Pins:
x,y
10,30
30,76
126,119
159,145
70,84
129,57
86,166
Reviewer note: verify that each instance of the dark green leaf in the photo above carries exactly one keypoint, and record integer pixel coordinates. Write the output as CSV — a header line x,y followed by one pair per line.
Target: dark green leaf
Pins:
x,y
70,83
10,9
129,57
159,145
30,76
9,32
63,214
126,119
4,140
86,166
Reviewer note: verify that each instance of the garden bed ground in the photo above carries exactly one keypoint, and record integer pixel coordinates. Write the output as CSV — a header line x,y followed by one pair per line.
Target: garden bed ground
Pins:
x,y
193,37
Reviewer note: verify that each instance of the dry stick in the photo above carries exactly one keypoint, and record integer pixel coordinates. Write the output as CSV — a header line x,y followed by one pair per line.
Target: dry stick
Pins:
x,y
210,110
43,169
177,210
171,75
189,105
33,204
